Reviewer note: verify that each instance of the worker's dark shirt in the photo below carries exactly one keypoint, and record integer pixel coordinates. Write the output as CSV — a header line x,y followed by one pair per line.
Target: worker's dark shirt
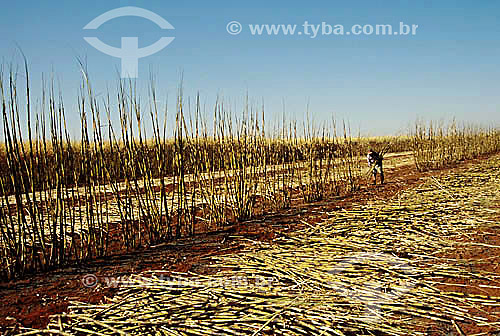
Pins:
x,y
374,157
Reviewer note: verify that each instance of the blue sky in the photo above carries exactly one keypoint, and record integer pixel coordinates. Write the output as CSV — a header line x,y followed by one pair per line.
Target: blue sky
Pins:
x,y
380,84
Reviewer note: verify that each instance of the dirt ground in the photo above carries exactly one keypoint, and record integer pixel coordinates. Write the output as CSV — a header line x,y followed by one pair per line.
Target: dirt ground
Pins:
x,y
29,302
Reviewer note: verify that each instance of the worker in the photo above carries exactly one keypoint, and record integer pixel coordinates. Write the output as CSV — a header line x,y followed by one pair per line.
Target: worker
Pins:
x,y
375,162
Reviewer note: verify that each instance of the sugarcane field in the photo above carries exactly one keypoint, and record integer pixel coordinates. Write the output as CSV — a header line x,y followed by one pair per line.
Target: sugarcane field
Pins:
x,y
252,168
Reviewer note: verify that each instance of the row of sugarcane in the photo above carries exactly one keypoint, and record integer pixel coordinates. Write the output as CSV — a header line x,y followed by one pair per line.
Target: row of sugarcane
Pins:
x,y
439,144
138,176
382,268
